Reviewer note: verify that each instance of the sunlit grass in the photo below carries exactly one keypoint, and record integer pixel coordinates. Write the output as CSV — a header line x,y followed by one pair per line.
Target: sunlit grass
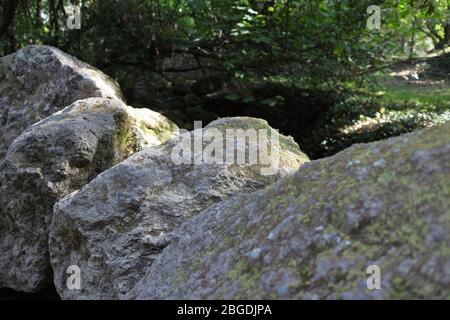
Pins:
x,y
403,96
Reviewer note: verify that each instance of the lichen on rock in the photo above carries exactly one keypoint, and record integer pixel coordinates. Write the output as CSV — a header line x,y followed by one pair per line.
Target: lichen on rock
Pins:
x,y
117,225
314,234
53,158
36,81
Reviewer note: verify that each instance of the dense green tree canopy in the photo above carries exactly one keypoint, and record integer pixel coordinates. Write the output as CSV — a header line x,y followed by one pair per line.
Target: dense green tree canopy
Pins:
x,y
313,41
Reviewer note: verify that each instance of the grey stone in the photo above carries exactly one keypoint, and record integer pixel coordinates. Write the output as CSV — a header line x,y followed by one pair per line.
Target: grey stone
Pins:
x,y
37,81
53,158
117,225
303,243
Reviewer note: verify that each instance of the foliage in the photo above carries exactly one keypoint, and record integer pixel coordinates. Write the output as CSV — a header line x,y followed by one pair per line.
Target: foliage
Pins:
x,y
361,117
305,46
313,42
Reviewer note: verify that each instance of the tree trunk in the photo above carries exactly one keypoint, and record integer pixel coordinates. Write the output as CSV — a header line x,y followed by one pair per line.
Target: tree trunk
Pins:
x,y
9,12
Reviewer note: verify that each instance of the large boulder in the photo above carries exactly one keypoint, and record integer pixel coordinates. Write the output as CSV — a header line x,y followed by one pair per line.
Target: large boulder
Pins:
x,y
37,81
323,232
117,225
53,158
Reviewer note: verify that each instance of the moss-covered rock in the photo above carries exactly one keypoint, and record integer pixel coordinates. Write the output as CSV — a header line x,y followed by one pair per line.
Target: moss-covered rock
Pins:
x,y
313,235
53,158
117,225
37,81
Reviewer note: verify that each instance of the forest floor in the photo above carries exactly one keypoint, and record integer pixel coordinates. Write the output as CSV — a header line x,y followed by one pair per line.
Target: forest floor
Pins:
x,y
415,86
417,93
400,100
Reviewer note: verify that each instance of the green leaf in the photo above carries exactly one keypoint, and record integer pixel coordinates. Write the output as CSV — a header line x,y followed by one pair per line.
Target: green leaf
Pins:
x,y
232,97
248,99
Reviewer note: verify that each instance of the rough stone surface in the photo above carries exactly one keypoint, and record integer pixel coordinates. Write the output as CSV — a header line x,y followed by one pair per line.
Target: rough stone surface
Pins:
x,y
37,81
117,225
314,234
53,158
